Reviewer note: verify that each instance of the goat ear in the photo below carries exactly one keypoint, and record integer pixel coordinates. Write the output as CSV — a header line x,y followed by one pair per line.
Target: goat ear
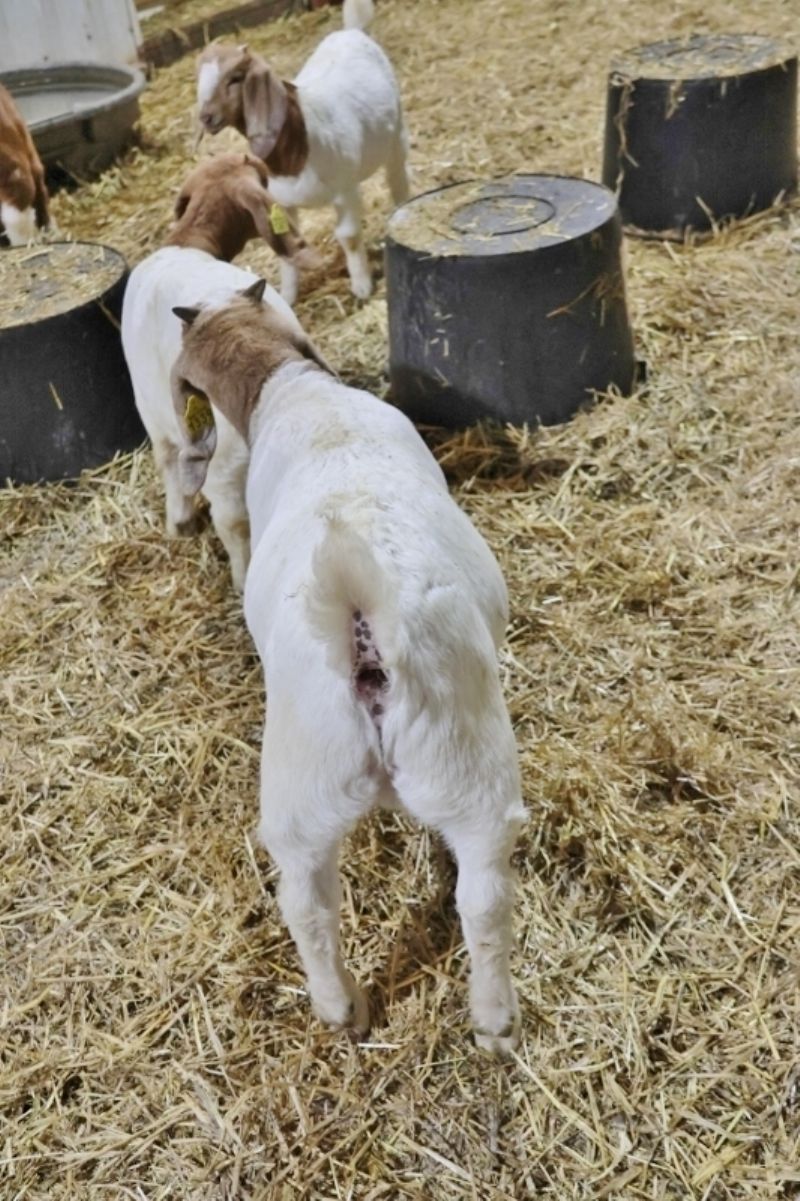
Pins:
x,y
181,205
187,315
265,108
256,201
255,292
198,433
309,351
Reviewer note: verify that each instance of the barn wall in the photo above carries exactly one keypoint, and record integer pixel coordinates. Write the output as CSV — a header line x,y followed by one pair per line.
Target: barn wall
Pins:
x,y
33,32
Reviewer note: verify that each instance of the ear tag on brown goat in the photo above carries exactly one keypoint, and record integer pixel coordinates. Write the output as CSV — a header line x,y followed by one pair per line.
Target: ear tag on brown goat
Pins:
x,y
279,219
197,414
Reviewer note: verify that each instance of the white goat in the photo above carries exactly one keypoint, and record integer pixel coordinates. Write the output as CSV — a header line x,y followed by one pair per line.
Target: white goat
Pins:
x,y
377,610
334,126
23,194
222,204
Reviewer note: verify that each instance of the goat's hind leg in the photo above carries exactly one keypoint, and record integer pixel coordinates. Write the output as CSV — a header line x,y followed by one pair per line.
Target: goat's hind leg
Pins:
x,y
484,896
479,812
350,235
303,837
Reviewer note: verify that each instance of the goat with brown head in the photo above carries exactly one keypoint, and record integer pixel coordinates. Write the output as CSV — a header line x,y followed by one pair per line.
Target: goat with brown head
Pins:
x,y
321,135
236,87
224,203
23,194
377,611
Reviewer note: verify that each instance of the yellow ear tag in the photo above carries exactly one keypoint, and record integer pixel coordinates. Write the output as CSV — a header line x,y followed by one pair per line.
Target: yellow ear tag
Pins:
x,y
279,220
197,414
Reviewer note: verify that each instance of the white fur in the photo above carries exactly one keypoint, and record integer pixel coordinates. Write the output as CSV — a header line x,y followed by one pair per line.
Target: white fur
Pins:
x,y
348,510
151,339
20,224
358,14
207,80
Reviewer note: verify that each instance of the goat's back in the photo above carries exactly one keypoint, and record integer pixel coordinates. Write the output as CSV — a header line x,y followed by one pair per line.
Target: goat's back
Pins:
x,y
331,458
349,89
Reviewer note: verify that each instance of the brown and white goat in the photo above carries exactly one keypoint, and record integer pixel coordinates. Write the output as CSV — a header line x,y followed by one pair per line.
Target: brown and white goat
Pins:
x,y
338,123
23,194
377,610
222,204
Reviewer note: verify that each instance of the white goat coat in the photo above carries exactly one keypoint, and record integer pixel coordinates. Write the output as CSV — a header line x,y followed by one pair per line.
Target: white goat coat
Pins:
x,y
151,333
350,101
353,530
348,509
151,340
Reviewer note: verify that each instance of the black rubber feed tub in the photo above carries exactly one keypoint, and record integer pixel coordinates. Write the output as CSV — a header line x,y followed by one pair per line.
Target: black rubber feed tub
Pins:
x,y
81,115
699,131
66,401
506,300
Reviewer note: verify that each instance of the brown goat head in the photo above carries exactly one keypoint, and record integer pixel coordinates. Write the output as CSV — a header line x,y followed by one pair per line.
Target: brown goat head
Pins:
x,y
236,87
224,202
227,356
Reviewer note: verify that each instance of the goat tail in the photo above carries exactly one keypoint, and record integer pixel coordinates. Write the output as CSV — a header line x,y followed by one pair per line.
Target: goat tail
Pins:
x,y
358,14
351,593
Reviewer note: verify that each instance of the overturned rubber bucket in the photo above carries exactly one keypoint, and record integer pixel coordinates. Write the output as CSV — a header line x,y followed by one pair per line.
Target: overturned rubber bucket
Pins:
x,y
700,130
506,300
66,401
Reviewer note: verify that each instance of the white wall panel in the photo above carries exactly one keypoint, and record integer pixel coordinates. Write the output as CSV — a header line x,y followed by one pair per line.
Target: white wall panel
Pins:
x,y
35,32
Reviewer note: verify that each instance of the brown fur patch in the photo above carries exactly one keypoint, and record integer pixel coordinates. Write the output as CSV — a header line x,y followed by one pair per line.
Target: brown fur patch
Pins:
x,y
223,203
21,171
290,154
228,355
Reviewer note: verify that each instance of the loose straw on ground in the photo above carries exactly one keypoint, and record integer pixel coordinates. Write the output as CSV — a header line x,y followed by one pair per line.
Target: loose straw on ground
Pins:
x,y
155,1040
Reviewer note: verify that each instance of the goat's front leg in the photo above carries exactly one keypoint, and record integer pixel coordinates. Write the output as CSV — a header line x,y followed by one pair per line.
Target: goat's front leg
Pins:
x,y
224,489
290,280
306,852
349,235
183,518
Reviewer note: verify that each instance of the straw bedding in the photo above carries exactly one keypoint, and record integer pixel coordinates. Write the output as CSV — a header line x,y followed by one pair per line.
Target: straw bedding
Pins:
x,y
155,1040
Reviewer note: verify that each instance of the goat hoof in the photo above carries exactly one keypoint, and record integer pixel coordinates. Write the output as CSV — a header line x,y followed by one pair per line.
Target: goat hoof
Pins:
x,y
502,1043
350,1012
357,1023
361,288
497,1028
188,528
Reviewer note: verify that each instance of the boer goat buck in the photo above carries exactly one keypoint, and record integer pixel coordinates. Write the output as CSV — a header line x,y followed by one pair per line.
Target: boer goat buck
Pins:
x,y
320,136
23,195
377,610
222,204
